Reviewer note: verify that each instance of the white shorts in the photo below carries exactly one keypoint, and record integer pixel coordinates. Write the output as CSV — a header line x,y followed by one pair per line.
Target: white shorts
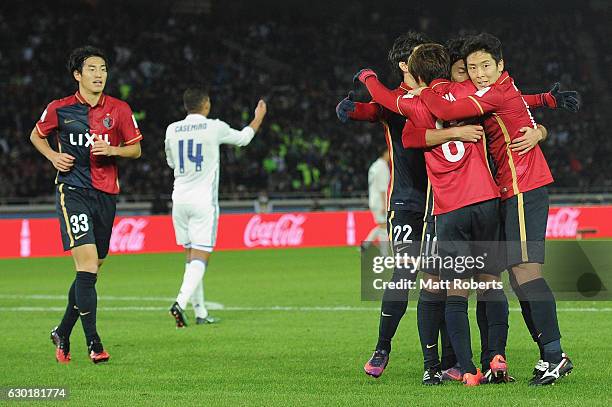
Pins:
x,y
379,215
195,225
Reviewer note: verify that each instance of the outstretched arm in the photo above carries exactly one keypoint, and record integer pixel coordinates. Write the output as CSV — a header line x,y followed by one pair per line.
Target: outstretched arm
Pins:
x,y
347,109
381,94
555,99
457,110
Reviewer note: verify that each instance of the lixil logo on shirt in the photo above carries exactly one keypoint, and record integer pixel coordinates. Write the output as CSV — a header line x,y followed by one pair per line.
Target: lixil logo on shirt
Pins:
x,y
86,139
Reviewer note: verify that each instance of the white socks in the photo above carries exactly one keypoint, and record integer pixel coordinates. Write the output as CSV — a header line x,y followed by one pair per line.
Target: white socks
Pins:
x,y
194,272
197,301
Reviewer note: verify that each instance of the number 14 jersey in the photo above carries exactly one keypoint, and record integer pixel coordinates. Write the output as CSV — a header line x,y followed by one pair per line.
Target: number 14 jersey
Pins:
x,y
192,151
459,172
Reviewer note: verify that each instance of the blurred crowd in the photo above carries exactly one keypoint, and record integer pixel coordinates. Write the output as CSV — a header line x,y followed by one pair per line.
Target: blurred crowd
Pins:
x,y
302,65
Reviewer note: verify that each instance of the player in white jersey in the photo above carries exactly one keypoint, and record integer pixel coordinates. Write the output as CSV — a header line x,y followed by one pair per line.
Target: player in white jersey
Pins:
x,y
378,183
192,151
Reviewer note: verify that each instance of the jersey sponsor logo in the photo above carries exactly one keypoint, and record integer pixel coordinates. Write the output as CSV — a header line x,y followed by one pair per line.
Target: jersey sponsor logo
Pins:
x,y
286,231
482,91
68,121
408,96
86,139
128,235
79,236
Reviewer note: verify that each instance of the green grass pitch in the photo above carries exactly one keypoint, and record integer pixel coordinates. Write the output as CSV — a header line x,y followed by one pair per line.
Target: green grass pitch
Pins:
x,y
293,332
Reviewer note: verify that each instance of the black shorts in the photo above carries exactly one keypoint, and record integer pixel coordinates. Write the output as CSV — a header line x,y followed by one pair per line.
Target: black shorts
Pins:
x,y
405,229
86,217
525,216
471,232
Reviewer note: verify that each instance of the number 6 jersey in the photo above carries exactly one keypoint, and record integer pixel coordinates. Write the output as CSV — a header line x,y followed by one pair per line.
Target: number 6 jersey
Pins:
x,y
192,151
458,172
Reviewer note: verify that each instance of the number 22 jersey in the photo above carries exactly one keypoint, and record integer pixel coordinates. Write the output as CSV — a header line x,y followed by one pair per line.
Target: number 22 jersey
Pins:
x,y
192,151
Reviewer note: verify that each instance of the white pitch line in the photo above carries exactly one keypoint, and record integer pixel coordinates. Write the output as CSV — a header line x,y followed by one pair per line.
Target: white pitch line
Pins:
x,y
216,306
261,309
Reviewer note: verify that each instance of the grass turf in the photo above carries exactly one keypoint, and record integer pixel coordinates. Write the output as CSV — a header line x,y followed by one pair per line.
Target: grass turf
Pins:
x,y
307,351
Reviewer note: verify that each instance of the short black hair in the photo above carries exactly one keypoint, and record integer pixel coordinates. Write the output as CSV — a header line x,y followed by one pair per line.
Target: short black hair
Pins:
x,y
483,42
403,47
79,55
454,47
429,62
194,98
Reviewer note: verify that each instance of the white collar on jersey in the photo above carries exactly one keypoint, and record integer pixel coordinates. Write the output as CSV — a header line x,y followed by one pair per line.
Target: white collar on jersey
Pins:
x,y
195,116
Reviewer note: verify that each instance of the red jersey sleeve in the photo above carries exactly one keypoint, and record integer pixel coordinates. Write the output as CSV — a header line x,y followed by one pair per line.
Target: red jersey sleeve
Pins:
x,y
534,100
413,137
483,101
371,112
47,123
541,100
387,98
128,128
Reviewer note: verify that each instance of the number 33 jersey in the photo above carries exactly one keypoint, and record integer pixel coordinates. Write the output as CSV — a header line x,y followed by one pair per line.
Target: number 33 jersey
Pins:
x,y
192,151
459,172
77,126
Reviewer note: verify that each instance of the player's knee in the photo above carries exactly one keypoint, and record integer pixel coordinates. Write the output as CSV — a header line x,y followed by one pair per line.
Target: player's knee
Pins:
x,y
201,255
458,292
430,295
523,273
89,268
430,284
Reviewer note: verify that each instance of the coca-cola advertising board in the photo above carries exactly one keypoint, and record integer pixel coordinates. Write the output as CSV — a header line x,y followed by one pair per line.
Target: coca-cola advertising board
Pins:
x,y
154,234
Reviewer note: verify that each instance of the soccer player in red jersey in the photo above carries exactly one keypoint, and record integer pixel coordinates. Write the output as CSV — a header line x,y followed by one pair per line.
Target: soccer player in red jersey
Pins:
x,y
522,179
92,129
407,196
465,212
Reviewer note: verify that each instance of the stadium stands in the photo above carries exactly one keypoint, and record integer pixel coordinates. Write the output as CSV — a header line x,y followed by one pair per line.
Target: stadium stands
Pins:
x,y
302,62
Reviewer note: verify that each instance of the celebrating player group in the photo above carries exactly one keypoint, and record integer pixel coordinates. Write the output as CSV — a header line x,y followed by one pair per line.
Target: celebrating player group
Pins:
x,y
466,170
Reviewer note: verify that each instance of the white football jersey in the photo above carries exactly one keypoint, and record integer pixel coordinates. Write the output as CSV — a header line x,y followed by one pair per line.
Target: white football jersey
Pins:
x,y
192,150
378,181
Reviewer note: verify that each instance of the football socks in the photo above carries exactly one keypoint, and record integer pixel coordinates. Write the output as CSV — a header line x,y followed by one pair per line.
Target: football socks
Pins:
x,y
430,314
87,301
458,326
544,314
71,316
193,276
